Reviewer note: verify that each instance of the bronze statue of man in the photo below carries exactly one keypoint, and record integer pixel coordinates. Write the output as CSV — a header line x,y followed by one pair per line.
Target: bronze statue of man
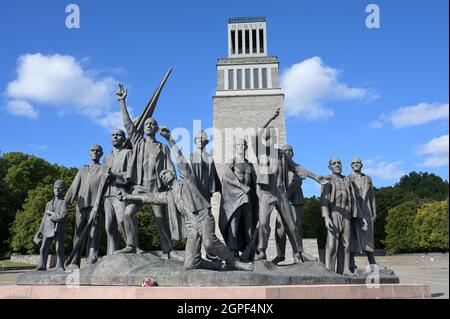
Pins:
x,y
149,158
338,210
185,198
115,168
84,189
272,171
296,201
203,168
53,226
363,241
238,214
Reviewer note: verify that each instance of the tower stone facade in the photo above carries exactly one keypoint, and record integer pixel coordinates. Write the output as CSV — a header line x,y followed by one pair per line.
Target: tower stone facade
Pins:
x,y
248,91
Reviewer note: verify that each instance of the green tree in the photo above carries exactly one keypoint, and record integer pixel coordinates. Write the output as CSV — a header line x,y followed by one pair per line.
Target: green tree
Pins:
x,y
25,172
21,173
7,209
425,185
414,186
400,235
148,232
28,219
312,222
431,226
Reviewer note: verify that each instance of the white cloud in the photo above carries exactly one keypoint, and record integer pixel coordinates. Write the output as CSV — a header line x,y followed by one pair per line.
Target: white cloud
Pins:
x,y
22,108
376,124
111,120
438,151
40,147
310,84
382,169
60,81
419,114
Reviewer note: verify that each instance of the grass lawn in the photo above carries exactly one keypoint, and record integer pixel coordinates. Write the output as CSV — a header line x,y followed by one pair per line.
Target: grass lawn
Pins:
x,y
8,263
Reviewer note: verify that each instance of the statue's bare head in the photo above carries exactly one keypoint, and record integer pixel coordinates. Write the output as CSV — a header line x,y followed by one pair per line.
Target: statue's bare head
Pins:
x,y
335,165
356,164
288,150
118,137
241,146
95,152
201,139
167,177
150,127
59,187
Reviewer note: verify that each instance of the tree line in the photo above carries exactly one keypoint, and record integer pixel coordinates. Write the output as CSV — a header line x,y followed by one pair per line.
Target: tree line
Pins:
x,y
412,214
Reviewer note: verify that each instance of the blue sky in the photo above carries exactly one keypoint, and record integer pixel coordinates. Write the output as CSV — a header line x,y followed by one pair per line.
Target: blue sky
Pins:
x,y
383,92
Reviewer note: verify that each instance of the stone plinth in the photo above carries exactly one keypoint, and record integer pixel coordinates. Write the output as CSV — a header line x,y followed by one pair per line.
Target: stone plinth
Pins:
x,y
132,269
384,291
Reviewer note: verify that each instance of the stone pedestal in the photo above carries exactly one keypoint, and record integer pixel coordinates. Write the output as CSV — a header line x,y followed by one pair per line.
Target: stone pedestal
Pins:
x,y
385,291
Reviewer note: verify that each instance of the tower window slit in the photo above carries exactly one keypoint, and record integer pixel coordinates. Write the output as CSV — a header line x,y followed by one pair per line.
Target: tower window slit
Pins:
x,y
247,41
239,79
261,41
239,41
255,78
230,79
247,78
264,77
233,42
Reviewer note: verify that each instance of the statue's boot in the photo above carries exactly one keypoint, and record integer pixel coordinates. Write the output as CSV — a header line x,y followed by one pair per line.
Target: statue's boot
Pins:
x,y
277,260
173,254
298,259
73,266
58,268
127,250
212,258
41,268
349,273
239,265
260,255
308,257
376,267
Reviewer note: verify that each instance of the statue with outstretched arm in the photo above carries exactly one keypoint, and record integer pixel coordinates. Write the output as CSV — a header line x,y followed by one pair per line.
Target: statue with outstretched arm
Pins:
x,y
185,198
272,171
149,158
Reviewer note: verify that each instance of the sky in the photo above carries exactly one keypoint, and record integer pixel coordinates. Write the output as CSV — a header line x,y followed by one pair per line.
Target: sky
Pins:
x,y
377,93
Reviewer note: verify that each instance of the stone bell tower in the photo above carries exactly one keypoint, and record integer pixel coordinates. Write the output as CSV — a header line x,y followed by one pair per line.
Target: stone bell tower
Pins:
x,y
247,92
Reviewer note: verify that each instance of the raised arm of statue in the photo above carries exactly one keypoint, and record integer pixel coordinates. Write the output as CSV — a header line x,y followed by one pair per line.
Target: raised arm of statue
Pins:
x,y
133,133
183,166
272,117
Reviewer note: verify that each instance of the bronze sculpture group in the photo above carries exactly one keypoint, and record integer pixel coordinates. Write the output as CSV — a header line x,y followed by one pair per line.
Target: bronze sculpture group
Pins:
x,y
139,170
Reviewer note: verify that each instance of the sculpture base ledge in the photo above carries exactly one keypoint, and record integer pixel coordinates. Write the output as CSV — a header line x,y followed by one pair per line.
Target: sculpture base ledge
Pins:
x,y
359,291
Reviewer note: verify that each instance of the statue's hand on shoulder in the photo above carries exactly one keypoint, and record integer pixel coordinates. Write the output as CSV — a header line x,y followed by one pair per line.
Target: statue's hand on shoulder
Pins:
x,y
322,180
121,92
